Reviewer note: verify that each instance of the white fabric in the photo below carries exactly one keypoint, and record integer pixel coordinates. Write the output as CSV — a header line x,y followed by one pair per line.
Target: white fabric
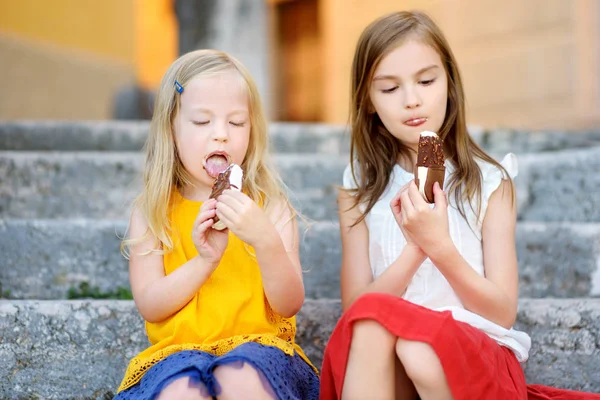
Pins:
x,y
429,287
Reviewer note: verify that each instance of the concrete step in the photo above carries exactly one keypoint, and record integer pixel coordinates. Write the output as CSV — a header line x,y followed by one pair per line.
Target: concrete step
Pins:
x,y
43,259
286,137
80,349
102,185
131,136
560,186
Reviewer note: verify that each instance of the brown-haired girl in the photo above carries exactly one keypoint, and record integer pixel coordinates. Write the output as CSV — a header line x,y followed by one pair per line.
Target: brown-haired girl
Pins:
x,y
430,292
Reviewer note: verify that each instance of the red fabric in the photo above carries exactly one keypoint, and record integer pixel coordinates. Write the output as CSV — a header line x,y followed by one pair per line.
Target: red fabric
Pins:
x,y
476,367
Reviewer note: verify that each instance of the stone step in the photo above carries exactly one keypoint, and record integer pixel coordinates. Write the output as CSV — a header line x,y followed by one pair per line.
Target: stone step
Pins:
x,y
286,137
43,259
80,349
131,136
102,185
560,186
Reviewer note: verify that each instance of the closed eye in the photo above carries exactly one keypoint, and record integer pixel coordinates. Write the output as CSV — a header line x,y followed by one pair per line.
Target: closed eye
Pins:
x,y
200,122
390,90
238,124
427,82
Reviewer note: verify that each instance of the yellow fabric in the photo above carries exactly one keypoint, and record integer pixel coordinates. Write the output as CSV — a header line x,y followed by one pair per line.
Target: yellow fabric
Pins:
x,y
228,310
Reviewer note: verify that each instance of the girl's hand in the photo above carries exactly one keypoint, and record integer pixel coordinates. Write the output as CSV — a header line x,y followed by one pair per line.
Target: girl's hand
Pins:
x,y
396,207
422,225
244,218
210,243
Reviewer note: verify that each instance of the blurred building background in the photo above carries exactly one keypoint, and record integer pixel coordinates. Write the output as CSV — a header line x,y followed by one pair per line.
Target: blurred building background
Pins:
x,y
526,63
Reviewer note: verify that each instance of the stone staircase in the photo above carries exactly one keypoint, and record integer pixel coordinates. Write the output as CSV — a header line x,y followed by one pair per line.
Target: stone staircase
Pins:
x,y
65,190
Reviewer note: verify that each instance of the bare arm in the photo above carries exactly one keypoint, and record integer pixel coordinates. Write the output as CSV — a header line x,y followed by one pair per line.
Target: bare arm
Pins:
x,y
356,273
275,240
279,261
156,295
495,296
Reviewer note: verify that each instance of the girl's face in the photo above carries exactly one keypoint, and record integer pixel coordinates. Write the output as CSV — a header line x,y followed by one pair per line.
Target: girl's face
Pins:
x,y
212,128
409,91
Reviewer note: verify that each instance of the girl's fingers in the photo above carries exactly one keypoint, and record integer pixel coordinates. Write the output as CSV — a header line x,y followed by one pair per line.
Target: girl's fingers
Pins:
x,y
205,226
233,199
407,205
439,196
226,213
395,204
205,215
415,197
208,204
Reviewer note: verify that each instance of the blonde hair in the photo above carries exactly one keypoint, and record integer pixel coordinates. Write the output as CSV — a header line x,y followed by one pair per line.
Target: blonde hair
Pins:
x,y
164,171
375,148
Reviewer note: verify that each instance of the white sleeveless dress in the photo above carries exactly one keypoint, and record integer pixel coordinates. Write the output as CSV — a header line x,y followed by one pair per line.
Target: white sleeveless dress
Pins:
x,y
429,287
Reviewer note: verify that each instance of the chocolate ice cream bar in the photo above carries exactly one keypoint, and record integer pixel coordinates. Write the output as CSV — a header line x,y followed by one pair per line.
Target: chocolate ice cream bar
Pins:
x,y
430,164
231,178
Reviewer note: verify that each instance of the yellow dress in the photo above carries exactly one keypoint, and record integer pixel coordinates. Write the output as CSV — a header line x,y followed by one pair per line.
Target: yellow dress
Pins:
x,y
229,309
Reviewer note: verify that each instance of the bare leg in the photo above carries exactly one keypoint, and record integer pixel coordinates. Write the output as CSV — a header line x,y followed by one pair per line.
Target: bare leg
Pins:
x,y
370,369
242,381
424,369
183,389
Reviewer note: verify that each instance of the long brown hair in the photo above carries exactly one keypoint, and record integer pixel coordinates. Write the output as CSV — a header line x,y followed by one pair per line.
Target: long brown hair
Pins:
x,y
373,146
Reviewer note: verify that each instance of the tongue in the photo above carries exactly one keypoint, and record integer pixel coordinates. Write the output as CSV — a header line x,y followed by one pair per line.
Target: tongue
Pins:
x,y
215,165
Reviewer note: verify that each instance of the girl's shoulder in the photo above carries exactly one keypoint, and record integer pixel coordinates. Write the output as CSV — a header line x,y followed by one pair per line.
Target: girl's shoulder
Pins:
x,y
350,180
491,173
491,178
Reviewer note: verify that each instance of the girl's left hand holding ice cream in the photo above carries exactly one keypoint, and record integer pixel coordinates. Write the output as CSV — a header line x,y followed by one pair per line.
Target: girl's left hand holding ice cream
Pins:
x,y
245,218
422,225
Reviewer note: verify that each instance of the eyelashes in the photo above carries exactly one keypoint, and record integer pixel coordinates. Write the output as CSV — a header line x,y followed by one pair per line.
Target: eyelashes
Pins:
x,y
390,90
236,124
423,83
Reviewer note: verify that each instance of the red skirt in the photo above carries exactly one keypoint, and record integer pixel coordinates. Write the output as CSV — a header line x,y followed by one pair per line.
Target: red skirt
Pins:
x,y
476,367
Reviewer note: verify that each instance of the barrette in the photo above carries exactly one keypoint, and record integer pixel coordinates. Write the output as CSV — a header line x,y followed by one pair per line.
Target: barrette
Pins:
x,y
178,87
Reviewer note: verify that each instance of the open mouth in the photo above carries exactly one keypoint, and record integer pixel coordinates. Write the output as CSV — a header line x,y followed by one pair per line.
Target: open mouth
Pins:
x,y
216,162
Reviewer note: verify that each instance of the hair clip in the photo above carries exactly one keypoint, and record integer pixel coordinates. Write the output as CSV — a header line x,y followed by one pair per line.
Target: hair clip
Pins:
x,y
178,87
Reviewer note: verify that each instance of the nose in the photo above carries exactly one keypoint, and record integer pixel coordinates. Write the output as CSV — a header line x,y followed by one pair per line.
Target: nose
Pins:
x,y
220,133
411,98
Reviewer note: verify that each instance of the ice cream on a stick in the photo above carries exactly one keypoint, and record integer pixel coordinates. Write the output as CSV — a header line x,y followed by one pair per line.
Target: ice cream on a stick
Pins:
x,y
231,178
430,164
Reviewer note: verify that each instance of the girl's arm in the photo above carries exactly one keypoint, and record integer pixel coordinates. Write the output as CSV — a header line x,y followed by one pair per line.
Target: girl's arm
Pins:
x,y
356,274
278,257
275,240
493,296
156,295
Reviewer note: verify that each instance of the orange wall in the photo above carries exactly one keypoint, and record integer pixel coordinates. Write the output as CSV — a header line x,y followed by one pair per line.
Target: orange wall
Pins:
x,y
531,64
67,59
156,40
102,27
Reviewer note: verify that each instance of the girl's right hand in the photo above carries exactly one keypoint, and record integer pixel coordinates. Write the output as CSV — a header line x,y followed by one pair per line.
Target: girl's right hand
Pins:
x,y
396,207
210,243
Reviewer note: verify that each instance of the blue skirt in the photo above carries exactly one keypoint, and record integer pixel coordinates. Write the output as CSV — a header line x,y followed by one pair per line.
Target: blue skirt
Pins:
x,y
288,377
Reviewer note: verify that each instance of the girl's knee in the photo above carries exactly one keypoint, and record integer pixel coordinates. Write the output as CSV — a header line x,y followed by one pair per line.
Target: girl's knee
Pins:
x,y
241,380
420,361
184,389
371,332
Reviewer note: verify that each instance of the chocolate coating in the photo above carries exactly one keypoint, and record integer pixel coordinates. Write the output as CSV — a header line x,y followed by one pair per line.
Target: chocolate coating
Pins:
x,y
431,152
430,156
